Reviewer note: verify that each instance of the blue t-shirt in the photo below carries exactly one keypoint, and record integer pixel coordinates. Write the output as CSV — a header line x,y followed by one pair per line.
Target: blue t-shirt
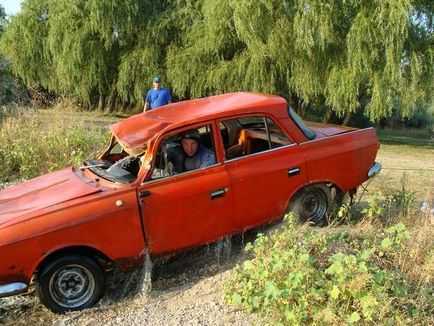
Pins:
x,y
158,97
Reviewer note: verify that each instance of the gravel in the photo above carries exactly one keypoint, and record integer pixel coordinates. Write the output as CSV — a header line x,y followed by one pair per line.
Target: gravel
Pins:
x,y
186,290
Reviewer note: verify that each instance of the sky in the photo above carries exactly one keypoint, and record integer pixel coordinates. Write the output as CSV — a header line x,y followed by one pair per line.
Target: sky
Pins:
x,y
12,7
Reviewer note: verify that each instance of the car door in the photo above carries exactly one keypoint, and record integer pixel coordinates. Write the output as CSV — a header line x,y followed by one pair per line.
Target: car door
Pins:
x,y
187,209
262,179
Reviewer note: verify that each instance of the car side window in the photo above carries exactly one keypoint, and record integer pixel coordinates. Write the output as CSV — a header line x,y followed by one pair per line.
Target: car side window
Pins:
x,y
252,134
186,151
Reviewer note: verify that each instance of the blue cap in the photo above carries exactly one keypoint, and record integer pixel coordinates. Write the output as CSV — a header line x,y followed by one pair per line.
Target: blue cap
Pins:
x,y
157,79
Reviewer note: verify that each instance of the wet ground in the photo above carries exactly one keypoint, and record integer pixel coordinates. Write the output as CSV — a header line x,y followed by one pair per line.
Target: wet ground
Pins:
x,y
186,290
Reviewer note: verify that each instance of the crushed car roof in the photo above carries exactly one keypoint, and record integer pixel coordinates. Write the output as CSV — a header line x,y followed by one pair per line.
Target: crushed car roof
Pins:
x,y
134,132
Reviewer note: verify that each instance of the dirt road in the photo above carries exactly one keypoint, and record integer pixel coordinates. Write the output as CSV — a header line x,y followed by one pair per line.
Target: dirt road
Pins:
x,y
186,290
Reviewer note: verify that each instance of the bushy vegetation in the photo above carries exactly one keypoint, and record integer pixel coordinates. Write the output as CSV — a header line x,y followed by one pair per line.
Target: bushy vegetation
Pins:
x,y
378,272
36,142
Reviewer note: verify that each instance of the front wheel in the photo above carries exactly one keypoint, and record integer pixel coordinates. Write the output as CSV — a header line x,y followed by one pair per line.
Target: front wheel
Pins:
x,y
311,204
69,283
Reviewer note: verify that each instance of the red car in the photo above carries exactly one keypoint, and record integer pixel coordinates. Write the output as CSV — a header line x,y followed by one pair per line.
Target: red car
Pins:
x,y
176,177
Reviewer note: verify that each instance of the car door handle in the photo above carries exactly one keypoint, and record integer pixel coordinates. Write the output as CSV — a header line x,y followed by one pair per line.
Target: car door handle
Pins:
x,y
293,171
144,193
218,193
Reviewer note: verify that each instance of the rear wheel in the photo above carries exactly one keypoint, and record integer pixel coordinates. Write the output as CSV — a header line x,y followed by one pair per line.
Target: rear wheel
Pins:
x,y
311,204
69,283
344,197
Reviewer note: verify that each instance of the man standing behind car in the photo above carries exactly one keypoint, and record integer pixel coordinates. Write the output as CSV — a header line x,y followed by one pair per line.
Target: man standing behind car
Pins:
x,y
157,96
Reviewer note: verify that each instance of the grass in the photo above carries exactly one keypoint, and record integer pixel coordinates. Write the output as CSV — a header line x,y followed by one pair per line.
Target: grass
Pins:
x,y
400,154
416,137
37,142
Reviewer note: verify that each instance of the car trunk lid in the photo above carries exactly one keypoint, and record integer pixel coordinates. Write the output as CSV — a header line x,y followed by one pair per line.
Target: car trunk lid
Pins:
x,y
322,130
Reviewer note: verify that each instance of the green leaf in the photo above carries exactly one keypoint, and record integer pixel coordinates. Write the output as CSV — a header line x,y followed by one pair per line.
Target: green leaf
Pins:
x,y
355,317
296,279
334,293
386,243
271,290
289,313
362,267
379,277
248,247
304,257
399,290
236,299
413,311
368,301
248,265
256,301
365,255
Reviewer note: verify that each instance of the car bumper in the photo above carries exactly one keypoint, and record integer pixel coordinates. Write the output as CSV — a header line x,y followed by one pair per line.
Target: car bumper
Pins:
x,y
374,170
12,289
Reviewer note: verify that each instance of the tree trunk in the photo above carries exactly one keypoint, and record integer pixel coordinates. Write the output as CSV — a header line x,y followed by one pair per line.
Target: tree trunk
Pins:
x,y
328,114
112,99
101,102
347,118
303,107
130,106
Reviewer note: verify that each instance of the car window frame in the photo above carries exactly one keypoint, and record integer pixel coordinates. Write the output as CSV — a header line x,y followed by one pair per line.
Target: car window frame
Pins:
x,y
260,114
217,150
301,125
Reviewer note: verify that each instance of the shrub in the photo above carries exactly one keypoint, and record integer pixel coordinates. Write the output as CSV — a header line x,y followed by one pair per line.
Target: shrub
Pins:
x,y
36,142
300,275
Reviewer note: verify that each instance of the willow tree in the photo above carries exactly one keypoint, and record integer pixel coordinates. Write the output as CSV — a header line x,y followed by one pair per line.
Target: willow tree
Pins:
x,y
375,56
330,52
2,19
24,44
146,57
73,47
4,66
86,40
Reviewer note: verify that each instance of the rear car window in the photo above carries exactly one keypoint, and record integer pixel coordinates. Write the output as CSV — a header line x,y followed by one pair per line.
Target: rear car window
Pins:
x,y
309,133
250,135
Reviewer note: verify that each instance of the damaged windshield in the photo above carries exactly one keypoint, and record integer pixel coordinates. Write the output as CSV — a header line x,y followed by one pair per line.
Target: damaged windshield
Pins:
x,y
116,164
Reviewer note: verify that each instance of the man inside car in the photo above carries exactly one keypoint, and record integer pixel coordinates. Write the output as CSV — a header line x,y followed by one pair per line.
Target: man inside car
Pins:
x,y
191,154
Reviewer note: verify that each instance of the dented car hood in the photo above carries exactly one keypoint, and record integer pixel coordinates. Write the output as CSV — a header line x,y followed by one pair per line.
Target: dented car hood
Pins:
x,y
19,201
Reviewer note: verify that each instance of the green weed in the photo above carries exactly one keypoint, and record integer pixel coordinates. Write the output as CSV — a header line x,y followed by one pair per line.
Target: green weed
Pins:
x,y
361,275
33,143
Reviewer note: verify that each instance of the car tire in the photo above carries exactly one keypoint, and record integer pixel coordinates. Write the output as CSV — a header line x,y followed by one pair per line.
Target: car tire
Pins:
x,y
311,204
344,197
70,283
